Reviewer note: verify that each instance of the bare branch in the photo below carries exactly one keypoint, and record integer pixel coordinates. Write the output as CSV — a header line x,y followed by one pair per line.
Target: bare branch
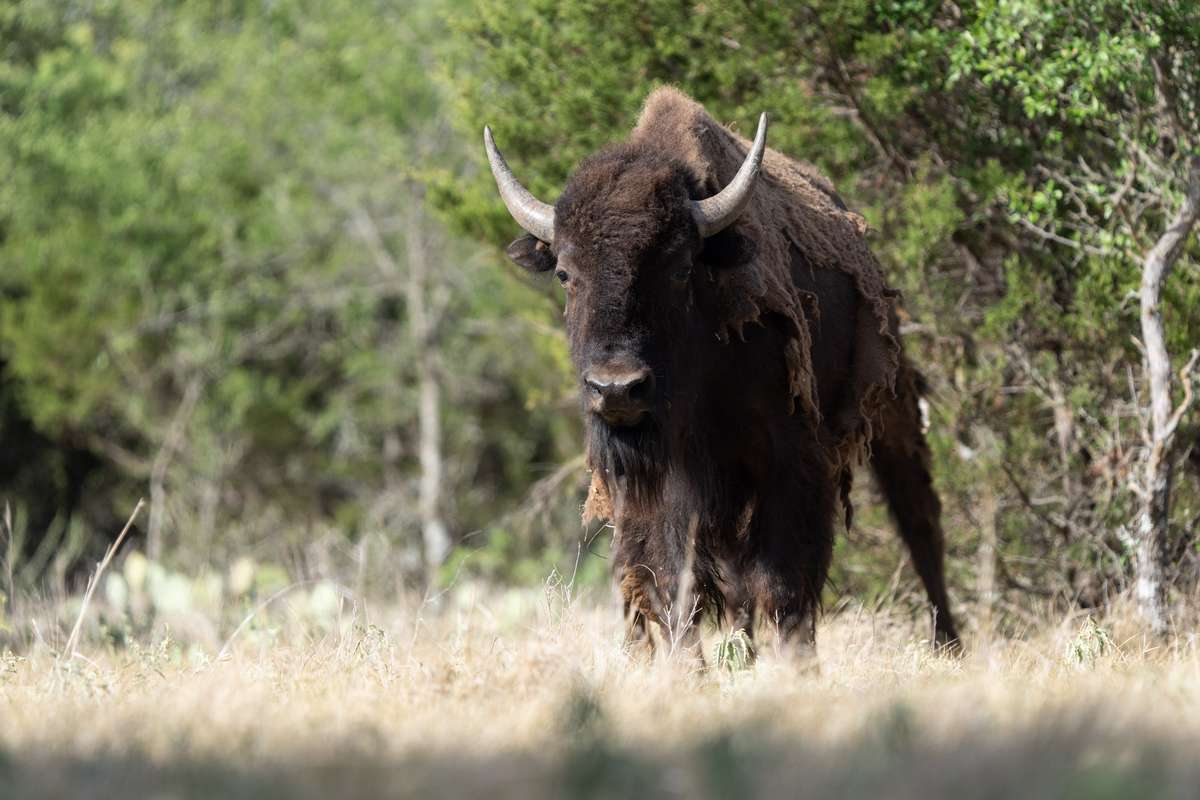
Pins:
x,y
1185,378
1054,237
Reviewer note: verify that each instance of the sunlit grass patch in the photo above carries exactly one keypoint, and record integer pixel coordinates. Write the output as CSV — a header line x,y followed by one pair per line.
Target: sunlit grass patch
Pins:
x,y
521,694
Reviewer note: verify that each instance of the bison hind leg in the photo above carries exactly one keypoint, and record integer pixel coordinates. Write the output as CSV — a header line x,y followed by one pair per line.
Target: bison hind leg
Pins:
x,y
900,459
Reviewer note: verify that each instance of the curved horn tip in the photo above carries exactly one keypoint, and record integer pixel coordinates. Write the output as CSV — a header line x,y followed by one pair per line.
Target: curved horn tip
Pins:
x,y
718,212
527,211
760,137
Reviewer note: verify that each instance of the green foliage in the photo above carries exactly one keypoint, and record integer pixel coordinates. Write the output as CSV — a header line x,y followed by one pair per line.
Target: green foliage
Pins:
x,y
734,652
184,187
1015,157
220,201
1089,644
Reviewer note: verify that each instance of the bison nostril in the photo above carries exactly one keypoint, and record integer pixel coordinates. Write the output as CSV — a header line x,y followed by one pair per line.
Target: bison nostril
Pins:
x,y
619,392
641,387
598,386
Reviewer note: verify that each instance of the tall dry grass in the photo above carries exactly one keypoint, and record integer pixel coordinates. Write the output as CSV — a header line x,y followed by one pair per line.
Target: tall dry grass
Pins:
x,y
529,694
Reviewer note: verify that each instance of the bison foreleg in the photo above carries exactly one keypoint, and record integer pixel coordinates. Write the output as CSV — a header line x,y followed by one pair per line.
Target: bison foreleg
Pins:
x,y
741,618
638,640
792,536
657,590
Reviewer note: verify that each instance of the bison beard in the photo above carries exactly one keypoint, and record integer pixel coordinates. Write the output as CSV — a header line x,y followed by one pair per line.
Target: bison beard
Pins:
x,y
723,497
633,458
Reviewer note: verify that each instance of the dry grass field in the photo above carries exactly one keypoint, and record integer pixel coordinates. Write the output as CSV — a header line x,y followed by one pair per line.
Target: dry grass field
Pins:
x,y
529,695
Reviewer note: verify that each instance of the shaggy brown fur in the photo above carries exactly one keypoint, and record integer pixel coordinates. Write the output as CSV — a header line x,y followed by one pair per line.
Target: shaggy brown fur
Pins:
x,y
777,367
793,205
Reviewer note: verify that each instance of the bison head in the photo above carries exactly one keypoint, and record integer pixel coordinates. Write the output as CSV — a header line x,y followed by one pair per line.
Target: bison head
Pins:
x,y
637,254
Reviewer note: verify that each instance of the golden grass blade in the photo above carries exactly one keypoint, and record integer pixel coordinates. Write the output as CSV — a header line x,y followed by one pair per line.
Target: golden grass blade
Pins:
x,y
73,639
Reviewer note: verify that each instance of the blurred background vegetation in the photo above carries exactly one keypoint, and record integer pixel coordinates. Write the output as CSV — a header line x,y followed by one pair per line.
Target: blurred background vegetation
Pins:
x,y
251,270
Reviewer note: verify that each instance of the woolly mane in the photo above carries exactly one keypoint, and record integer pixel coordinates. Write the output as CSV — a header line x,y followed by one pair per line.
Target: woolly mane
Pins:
x,y
792,204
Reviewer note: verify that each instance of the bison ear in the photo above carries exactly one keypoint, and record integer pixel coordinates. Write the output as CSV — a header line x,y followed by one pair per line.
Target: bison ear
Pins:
x,y
728,249
531,253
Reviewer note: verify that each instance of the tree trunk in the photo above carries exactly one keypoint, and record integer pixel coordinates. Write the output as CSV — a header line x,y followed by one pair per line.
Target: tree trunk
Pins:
x,y
987,456
435,539
1150,529
423,311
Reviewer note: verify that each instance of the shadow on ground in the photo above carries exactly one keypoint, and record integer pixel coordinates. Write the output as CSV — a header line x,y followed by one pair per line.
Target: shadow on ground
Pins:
x,y
895,760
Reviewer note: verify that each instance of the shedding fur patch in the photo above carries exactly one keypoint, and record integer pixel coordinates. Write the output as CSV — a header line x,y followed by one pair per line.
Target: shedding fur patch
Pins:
x,y
598,505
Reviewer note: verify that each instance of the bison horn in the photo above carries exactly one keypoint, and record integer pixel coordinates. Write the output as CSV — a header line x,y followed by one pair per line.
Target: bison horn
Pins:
x,y
718,212
530,213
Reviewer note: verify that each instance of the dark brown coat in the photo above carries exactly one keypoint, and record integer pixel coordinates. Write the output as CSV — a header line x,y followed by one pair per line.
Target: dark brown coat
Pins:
x,y
777,367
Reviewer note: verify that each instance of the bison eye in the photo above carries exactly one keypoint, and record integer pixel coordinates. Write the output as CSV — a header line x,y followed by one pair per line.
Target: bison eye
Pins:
x,y
681,275
562,276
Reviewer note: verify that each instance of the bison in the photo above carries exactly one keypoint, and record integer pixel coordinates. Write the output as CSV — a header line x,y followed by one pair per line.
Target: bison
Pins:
x,y
738,353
